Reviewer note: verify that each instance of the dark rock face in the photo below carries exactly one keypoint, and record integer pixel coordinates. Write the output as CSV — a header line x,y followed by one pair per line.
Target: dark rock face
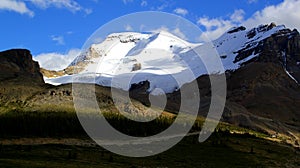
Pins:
x,y
237,29
282,48
136,67
261,28
140,87
261,95
266,96
18,63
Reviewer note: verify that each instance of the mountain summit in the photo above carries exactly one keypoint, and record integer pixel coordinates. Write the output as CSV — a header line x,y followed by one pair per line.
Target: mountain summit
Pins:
x,y
158,57
262,67
18,63
262,70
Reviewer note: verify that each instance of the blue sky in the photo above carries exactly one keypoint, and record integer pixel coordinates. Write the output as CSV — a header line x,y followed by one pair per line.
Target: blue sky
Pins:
x,y
62,26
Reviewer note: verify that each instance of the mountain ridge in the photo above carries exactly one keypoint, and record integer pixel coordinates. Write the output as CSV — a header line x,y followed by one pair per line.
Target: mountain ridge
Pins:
x,y
120,53
261,93
13,66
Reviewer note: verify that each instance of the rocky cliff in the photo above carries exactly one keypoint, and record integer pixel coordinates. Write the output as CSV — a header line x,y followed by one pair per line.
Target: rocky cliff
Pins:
x,y
18,63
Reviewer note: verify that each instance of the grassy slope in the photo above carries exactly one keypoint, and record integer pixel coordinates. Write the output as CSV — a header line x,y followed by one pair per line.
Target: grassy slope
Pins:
x,y
223,149
24,119
227,151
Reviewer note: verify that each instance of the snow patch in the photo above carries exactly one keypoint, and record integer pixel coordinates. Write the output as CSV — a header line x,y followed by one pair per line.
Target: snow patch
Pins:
x,y
165,60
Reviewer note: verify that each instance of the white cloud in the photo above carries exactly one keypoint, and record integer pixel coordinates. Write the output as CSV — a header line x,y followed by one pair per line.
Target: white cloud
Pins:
x,y
163,6
68,4
88,11
237,16
22,8
128,28
287,13
217,26
177,32
126,1
163,28
142,27
214,27
144,3
58,39
98,40
252,1
181,11
16,6
56,61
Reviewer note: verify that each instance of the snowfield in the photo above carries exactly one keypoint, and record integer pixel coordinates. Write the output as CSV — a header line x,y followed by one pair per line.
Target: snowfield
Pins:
x,y
163,59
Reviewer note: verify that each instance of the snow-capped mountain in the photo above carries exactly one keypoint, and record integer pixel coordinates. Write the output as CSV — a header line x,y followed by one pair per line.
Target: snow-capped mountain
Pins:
x,y
239,38
161,58
167,61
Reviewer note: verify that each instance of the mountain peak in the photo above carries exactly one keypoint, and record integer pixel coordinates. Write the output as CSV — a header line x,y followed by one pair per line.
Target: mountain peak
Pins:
x,y
160,51
253,31
18,63
236,29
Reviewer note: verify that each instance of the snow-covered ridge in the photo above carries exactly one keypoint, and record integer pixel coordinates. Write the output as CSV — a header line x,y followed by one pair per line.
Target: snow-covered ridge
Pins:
x,y
239,38
162,58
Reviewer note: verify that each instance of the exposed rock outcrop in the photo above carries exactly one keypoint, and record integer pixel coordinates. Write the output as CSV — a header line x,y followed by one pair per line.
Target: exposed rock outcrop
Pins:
x,y
18,63
282,48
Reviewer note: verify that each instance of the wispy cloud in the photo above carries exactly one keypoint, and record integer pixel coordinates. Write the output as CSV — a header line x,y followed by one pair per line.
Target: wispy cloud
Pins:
x,y
163,4
56,61
179,33
58,39
88,11
144,3
98,40
162,7
22,6
70,5
181,11
127,1
252,1
217,26
237,16
128,28
214,27
15,6
176,31
287,13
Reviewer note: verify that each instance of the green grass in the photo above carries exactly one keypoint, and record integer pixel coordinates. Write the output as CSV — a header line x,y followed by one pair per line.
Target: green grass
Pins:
x,y
231,151
65,123
37,124
222,149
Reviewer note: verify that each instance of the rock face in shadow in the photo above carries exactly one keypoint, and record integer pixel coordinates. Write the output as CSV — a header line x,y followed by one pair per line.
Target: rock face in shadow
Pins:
x,y
282,48
261,94
18,63
266,96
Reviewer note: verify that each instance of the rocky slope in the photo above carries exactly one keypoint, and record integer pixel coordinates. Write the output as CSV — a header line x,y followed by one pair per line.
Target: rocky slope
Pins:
x,y
22,88
262,78
161,57
20,78
263,93
281,48
18,63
